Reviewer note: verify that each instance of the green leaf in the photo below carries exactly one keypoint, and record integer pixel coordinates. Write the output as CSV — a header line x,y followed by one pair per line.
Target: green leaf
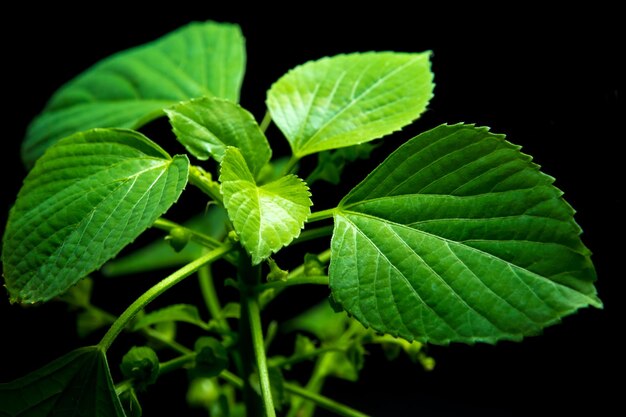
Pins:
x,y
89,196
350,99
178,312
131,88
78,383
457,236
206,126
266,217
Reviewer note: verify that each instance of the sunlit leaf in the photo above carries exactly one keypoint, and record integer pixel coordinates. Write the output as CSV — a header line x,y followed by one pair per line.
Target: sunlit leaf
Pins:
x,y
457,236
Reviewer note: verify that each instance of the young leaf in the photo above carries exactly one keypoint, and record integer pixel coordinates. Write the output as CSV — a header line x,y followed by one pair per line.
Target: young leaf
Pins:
x,y
178,312
133,87
349,99
89,196
206,126
266,217
78,383
457,236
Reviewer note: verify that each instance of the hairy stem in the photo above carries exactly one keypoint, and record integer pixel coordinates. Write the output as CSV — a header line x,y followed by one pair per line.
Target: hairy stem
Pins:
x,y
158,289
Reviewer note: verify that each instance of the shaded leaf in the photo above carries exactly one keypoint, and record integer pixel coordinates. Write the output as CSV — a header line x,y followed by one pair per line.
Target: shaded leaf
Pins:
x,y
266,217
349,99
206,126
457,236
77,384
132,87
330,164
89,196
320,321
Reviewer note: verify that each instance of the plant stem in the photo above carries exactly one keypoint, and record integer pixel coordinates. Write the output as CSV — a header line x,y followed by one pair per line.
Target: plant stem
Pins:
x,y
299,280
196,236
205,278
321,215
313,234
324,402
320,400
306,356
259,352
176,363
290,165
265,123
158,289
203,180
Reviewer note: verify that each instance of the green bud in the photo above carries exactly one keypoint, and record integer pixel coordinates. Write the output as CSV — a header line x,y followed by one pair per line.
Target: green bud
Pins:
x,y
202,392
211,358
141,364
178,238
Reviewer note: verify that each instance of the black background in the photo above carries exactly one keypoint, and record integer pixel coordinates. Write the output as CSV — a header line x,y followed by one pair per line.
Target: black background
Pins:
x,y
549,80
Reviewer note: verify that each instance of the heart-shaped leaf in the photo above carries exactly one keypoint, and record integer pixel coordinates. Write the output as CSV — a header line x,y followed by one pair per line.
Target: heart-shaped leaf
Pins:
x,y
90,195
457,236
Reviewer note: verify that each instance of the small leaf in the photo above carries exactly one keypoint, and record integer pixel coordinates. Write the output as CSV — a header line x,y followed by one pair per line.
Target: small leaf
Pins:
x,y
206,126
349,99
88,197
78,383
90,320
276,274
457,236
266,217
131,88
178,312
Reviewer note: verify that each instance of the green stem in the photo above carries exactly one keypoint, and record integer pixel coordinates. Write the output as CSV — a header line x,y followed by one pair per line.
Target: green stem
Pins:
x,y
320,400
304,357
172,344
259,352
313,234
321,215
299,280
324,402
289,167
176,363
265,123
196,236
203,180
209,294
158,289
